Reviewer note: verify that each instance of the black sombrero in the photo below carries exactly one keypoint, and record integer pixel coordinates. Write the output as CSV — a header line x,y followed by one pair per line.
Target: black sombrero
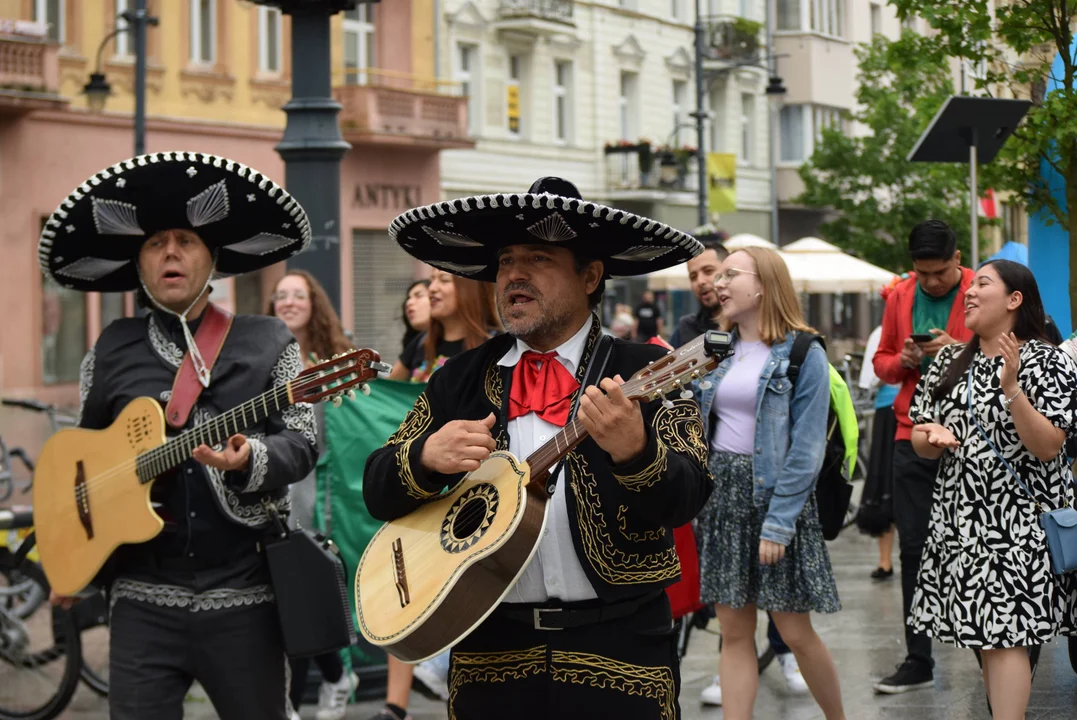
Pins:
x,y
91,242
463,236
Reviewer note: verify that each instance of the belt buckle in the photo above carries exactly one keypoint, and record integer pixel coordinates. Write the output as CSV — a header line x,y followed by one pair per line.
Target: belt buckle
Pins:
x,y
538,618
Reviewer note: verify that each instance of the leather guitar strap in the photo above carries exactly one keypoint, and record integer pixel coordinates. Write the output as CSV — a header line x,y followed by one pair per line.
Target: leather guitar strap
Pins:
x,y
186,388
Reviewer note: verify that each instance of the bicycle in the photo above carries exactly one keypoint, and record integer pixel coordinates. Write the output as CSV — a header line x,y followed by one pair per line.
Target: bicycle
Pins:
x,y
41,648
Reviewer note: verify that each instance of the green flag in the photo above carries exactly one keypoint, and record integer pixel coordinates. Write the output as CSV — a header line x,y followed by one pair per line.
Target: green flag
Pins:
x,y
353,431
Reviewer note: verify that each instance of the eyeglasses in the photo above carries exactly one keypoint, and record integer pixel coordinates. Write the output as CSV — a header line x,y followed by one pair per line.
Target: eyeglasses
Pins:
x,y
283,295
731,273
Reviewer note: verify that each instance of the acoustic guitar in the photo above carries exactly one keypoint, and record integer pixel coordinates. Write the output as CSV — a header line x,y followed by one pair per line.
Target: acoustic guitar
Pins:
x,y
92,487
429,578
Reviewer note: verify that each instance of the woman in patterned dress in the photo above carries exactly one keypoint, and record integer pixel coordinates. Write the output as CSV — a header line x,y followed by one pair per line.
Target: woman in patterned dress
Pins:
x,y
985,581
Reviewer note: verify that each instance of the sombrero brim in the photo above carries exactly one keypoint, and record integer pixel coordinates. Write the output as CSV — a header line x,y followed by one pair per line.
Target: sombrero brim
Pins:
x,y
91,242
464,236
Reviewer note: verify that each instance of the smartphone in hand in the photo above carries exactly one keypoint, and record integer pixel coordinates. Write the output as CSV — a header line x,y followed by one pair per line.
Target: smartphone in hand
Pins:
x,y
921,337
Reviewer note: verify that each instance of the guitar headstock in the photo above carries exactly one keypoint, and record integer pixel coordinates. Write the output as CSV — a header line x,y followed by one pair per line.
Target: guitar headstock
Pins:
x,y
680,367
335,378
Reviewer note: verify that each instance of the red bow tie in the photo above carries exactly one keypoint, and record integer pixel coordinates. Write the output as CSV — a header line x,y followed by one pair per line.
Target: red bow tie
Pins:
x,y
542,385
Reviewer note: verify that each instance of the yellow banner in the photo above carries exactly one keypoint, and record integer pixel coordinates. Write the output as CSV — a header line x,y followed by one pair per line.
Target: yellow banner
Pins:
x,y
514,108
721,182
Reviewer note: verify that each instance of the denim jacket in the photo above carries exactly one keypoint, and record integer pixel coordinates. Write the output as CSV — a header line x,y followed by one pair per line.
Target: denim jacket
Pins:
x,y
790,434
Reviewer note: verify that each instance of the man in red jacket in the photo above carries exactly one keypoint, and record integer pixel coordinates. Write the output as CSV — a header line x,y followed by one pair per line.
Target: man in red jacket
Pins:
x,y
923,314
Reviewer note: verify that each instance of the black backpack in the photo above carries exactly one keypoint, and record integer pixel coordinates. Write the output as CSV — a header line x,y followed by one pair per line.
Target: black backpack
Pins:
x,y
833,490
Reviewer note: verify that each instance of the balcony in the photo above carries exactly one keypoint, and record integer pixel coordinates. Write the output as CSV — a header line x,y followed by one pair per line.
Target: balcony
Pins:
x,y
642,171
536,17
731,41
383,107
29,74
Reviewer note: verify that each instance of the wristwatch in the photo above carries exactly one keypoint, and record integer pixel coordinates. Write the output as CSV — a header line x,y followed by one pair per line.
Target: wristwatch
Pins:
x,y
1007,401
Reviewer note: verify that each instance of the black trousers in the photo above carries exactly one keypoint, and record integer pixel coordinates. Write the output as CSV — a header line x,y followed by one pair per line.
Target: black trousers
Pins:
x,y
625,669
914,484
155,653
330,665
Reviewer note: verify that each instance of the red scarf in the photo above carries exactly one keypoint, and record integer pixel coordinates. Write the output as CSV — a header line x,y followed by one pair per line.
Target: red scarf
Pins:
x,y
542,385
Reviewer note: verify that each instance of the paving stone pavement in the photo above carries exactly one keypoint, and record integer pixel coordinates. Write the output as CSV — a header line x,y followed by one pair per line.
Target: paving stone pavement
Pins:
x,y
866,640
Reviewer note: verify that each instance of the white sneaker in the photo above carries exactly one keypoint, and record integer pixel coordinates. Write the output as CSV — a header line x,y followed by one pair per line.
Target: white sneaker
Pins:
x,y
428,675
333,697
712,695
794,681
294,715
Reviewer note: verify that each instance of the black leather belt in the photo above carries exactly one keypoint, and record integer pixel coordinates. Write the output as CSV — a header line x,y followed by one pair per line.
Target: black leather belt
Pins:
x,y
563,616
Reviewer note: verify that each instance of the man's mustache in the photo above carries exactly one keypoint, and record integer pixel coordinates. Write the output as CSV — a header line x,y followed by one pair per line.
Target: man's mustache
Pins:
x,y
520,287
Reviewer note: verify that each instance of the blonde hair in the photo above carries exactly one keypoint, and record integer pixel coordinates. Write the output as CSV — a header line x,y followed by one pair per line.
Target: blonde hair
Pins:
x,y
779,311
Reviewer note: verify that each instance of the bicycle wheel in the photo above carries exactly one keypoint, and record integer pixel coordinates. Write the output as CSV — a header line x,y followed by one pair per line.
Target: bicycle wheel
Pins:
x,y
40,656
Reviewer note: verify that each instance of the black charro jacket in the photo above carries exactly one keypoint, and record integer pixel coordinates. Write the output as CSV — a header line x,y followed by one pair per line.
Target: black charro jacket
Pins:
x,y
622,516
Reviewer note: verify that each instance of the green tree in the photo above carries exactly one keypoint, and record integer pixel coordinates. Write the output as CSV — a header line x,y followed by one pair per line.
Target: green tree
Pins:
x,y
877,195
1014,44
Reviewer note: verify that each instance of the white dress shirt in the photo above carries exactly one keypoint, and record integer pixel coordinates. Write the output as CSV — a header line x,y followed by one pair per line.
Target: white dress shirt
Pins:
x,y
554,570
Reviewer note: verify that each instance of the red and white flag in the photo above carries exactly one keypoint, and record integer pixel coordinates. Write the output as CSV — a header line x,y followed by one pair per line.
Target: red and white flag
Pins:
x,y
989,205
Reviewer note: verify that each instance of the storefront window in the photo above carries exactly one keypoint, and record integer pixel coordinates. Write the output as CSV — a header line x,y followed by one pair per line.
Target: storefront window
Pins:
x,y
381,274
63,332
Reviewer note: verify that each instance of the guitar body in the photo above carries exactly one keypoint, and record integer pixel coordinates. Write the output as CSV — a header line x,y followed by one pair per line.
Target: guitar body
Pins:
x,y
429,578
88,499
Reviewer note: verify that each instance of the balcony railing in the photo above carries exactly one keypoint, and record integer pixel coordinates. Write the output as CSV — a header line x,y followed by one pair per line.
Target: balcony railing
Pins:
x,y
642,167
733,39
391,104
552,10
30,66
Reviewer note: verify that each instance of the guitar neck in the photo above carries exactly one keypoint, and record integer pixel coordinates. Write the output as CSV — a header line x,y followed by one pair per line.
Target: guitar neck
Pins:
x,y
542,460
178,450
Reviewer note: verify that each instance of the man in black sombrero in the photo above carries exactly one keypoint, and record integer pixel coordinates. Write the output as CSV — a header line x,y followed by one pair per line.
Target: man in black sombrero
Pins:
x,y
195,602
587,626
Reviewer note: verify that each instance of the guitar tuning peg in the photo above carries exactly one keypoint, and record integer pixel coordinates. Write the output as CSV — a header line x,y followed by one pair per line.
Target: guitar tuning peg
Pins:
x,y
667,404
705,385
351,394
686,394
365,389
337,401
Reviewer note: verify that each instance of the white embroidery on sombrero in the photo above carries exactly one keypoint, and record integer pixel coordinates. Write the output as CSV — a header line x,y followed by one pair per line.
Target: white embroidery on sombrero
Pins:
x,y
261,244
208,206
552,228
454,267
91,268
641,253
113,217
451,239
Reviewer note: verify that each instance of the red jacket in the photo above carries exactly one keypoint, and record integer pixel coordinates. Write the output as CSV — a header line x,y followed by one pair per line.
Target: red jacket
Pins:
x,y
897,326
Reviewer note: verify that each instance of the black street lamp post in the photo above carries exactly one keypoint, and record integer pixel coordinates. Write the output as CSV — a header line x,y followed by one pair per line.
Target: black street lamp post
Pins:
x,y
312,146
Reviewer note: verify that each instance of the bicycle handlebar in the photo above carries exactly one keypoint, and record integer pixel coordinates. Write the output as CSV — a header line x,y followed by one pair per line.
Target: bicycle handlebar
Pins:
x,y
16,518
28,405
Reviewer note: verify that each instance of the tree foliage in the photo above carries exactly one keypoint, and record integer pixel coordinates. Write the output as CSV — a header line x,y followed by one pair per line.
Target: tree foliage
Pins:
x,y
878,195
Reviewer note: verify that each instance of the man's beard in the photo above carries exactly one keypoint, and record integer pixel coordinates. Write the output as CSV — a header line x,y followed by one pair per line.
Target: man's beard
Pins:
x,y
551,318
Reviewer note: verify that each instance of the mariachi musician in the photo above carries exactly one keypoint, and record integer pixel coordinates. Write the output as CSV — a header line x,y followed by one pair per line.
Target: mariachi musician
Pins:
x,y
587,627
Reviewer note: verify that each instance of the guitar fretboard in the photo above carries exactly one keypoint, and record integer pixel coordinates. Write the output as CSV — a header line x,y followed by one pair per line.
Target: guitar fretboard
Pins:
x,y
176,451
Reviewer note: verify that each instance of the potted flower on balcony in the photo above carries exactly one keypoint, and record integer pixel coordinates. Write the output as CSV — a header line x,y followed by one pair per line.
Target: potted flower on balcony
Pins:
x,y
736,39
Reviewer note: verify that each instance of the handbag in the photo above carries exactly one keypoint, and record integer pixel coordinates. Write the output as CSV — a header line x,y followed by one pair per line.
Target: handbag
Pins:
x,y
1059,526
308,579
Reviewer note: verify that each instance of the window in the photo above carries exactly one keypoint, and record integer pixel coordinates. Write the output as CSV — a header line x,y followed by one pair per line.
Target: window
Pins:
x,y
876,19
269,39
358,44
628,106
203,31
821,16
381,273
909,23
718,142
562,99
512,95
827,17
789,15
801,125
680,108
50,12
467,71
125,41
745,8
675,9
63,333
747,128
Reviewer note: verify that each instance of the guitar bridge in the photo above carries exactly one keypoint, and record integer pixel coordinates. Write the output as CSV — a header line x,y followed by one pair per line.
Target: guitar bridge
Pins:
x,y
82,500
401,574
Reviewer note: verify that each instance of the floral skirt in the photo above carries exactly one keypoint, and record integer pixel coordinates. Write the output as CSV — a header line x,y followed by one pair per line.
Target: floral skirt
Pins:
x,y
728,532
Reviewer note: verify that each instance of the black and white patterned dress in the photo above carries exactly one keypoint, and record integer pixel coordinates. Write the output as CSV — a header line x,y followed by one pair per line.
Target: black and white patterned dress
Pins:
x,y
985,577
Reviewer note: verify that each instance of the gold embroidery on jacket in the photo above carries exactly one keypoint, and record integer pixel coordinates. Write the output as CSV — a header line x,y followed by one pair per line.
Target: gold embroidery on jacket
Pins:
x,y
646,536
681,428
649,475
611,563
493,667
416,422
654,682
495,386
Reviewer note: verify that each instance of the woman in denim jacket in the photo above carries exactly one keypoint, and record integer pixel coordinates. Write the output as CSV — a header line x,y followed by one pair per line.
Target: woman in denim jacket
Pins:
x,y
761,544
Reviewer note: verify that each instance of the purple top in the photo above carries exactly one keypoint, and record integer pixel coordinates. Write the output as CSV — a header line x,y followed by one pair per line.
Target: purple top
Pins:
x,y
735,399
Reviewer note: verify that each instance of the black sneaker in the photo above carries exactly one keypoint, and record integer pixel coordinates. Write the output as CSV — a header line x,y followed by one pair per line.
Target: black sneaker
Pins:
x,y
910,675
882,574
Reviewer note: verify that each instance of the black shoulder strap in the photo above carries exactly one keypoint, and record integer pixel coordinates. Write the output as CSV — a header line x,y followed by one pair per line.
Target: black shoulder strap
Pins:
x,y
801,344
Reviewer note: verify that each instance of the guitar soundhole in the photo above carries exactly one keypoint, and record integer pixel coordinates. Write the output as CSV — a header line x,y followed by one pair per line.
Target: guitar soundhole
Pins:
x,y
469,518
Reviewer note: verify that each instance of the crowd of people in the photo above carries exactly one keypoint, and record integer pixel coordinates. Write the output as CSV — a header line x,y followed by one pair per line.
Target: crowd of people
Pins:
x,y
973,419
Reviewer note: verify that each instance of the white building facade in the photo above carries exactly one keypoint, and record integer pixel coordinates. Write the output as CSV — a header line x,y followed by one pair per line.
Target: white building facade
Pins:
x,y
601,93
